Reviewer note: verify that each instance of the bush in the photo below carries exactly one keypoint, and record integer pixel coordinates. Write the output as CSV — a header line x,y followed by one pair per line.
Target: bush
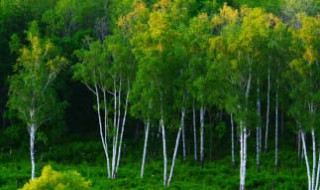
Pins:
x,y
53,180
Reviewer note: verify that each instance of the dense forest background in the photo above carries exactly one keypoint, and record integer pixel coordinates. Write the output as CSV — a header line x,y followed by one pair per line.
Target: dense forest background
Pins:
x,y
181,94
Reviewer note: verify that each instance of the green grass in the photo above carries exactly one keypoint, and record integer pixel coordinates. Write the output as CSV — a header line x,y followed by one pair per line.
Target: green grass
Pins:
x,y
218,174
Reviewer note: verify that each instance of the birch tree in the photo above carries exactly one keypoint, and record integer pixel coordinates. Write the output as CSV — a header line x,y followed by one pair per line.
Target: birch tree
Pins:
x,y
106,69
241,38
32,94
199,31
277,43
152,44
304,66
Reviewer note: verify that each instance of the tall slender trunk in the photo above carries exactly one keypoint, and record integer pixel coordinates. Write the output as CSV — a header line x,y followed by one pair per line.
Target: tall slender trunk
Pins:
x,y
106,133
243,133
102,135
164,146
243,155
32,133
268,111
194,132
276,128
183,134
232,141
258,128
318,174
116,129
306,159
174,155
122,130
202,110
314,157
145,147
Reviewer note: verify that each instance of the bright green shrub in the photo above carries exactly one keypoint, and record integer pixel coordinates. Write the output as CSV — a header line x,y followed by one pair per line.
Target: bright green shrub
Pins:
x,y
53,180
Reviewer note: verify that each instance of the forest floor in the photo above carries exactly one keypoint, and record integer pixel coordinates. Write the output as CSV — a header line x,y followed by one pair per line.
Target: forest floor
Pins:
x,y
217,174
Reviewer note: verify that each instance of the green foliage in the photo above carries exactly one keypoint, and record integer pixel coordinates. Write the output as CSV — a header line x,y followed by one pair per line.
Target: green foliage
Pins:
x,y
51,179
169,53
31,93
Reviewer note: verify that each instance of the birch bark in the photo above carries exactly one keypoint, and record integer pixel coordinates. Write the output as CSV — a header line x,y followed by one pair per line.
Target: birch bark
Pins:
x,y
32,133
314,157
164,147
102,136
306,159
318,174
145,148
174,156
122,129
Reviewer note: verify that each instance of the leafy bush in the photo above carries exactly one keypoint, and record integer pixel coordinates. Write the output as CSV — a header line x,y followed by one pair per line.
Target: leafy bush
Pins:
x,y
54,180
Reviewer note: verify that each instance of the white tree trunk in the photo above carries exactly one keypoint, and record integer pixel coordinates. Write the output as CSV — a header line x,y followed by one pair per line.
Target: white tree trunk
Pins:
x,y
165,161
102,136
232,141
202,110
32,133
243,155
174,155
116,129
306,159
314,157
268,111
194,132
183,133
318,174
106,133
276,128
146,137
122,130
244,135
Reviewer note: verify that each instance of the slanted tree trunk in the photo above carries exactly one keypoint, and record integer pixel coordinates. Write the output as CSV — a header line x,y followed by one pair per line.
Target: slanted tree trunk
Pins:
x,y
32,133
202,110
174,155
232,141
306,159
194,132
145,147
116,129
267,114
122,129
103,136
276,128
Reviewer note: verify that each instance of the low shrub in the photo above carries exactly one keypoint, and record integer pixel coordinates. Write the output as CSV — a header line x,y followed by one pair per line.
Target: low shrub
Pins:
x,y
54,180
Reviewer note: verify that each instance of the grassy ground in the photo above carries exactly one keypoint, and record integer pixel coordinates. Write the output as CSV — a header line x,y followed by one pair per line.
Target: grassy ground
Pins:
x,y
218,174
